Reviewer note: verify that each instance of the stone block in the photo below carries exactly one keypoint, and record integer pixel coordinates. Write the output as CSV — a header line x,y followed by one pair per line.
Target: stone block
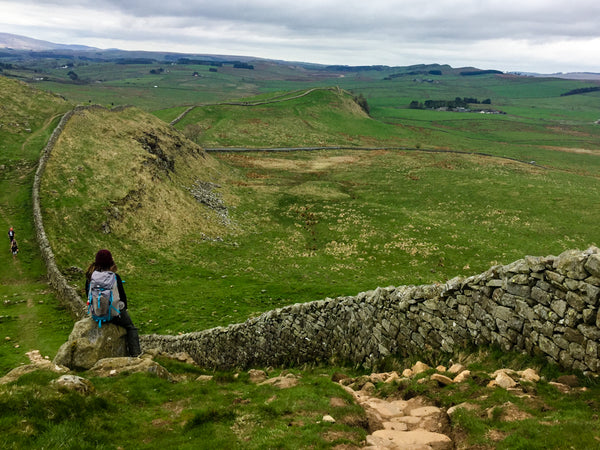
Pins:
x,y
590,293
577,351
518,290
555,279
549,347
575,301
574,336
590,332
559,307
503,313
540,295
592,265
523,310
572,264
589,316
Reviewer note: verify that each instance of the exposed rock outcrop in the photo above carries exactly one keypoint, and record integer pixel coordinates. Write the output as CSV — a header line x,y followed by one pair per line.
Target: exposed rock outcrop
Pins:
x,y
87,344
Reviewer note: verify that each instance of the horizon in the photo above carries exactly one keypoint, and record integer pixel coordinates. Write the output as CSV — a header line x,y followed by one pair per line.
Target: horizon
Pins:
x,y
56,46
537,37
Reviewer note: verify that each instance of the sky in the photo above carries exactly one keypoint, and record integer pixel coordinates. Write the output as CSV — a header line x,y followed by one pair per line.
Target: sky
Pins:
x,y
544,36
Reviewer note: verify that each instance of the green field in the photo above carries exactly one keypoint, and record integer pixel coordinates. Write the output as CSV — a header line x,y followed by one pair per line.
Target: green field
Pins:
x,y
443,194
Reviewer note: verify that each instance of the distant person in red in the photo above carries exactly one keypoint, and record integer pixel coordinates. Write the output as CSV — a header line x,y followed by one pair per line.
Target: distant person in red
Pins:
x,y
11,234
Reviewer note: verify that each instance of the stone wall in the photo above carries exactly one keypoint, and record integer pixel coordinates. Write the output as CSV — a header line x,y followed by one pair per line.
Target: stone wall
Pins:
x,y
66,293
539,305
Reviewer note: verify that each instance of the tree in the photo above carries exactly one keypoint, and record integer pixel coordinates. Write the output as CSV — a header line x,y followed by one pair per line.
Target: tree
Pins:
x,y
72,75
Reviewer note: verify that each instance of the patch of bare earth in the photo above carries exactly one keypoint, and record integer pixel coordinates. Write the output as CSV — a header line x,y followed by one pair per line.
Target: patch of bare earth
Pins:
x,y
582,151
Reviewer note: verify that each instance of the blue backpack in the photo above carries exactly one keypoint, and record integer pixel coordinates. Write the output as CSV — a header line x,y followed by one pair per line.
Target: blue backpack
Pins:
x,y
103,297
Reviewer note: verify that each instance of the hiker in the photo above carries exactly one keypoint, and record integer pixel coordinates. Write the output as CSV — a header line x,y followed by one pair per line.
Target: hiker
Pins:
x,y
14,248
11,234
102,266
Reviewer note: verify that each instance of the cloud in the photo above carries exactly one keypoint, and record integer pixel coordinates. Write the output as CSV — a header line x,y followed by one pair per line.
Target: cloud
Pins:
x,y
513,34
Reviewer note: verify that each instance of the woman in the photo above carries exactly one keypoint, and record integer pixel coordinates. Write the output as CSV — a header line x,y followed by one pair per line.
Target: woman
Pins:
x,y
104,263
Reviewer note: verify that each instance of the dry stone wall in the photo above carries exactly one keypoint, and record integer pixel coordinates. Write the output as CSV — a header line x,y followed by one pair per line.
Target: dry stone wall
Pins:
x,y
539,305
66,293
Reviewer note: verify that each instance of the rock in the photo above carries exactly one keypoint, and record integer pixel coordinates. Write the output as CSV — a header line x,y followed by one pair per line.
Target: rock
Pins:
x,y
257,376
407,373
462,376
328,419
282,382
43,364
368,388
424,411
393,377
504,381
572,263
110,367
204,378
456,368
378,377
87,344
74,383
529,375
385,410
415,439
441,368
593,265
420,367
442,379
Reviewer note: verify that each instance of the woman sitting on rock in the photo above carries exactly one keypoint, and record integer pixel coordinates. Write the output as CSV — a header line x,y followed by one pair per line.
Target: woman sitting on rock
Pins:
x,y
105,265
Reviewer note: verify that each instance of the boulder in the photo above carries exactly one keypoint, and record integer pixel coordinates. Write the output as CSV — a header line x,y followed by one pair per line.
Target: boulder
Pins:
x,y
88,343
110,367
18,372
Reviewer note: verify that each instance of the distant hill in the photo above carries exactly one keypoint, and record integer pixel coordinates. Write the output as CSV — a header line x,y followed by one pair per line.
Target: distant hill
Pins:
x,y
16,42
566,76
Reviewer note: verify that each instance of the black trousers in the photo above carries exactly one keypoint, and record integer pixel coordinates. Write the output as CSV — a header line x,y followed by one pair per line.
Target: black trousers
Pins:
x,y
133,340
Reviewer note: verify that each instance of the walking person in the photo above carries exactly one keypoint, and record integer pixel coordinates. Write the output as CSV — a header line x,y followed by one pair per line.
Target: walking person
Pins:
x,y
11,234
14,248
104,268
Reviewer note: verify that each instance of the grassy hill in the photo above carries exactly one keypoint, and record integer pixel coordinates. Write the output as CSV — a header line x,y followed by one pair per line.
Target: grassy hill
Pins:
x,y
306,118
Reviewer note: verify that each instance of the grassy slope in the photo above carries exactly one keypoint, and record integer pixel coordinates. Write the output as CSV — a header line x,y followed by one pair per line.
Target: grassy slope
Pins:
x,y
29,317
128,177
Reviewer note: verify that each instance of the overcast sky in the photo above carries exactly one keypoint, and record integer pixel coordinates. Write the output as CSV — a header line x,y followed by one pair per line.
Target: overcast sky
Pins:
x,y
544,36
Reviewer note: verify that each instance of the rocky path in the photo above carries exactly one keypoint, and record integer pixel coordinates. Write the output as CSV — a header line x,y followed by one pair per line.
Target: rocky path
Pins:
x,y
416,423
